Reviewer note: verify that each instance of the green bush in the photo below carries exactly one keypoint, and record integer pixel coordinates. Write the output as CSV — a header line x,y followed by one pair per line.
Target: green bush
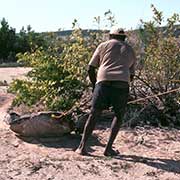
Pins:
x,y
160,71
56,79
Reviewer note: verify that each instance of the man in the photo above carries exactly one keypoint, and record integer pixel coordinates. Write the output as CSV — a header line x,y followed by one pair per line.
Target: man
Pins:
x,y
115,60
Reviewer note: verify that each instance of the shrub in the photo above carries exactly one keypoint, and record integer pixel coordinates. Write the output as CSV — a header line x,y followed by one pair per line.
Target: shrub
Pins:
x,y
160,65
56,79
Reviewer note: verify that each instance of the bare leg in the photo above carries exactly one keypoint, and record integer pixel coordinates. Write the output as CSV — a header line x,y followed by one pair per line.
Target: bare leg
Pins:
x,y
115,126
89,127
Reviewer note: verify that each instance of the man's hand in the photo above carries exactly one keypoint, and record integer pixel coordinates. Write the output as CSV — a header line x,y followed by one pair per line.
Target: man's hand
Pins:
x,y
92,76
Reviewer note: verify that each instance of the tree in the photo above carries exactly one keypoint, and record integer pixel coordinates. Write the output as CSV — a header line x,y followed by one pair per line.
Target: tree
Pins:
x,y
7,41
28,40
12,43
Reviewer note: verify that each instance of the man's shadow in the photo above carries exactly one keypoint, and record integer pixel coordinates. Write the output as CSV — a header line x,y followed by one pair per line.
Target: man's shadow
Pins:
x,y
67,141
168,165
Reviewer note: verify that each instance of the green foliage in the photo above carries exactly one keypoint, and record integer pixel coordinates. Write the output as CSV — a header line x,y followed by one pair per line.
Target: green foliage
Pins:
x,y
76,54
161,63
7,40
12,43
28,40
57,78
105,22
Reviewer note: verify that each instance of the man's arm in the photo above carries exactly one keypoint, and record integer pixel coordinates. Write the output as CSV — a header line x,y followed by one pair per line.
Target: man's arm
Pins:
x,y
132,68
92,75
93,64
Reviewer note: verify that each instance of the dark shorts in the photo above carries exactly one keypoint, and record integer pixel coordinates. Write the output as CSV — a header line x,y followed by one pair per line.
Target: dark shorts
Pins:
x,y
110,93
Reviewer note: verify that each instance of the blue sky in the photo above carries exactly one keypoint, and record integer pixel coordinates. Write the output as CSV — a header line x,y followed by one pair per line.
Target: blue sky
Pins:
x,y
50,15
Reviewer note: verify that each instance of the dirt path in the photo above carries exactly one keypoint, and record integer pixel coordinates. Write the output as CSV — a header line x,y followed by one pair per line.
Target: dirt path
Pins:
x,y
10,73
5,102
146,154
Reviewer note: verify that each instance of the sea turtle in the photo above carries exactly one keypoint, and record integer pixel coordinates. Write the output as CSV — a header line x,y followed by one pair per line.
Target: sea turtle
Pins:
x,y
42,124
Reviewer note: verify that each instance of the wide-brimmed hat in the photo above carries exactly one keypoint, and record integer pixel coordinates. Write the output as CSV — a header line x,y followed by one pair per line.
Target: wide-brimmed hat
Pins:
x,y
117,31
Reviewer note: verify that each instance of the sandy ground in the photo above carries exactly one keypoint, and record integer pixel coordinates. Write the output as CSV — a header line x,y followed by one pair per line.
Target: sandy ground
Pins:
x,y
8,74
146,154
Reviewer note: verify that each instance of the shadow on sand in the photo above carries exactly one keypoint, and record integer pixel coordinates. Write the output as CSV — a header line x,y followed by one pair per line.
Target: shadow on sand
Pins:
x,y
68,141
168,165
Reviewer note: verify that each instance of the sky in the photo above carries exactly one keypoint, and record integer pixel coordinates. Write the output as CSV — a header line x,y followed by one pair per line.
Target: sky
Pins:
x,y
51,15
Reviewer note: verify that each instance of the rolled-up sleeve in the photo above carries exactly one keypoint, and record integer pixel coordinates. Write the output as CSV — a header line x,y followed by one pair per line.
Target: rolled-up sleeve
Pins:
x,y
95,58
